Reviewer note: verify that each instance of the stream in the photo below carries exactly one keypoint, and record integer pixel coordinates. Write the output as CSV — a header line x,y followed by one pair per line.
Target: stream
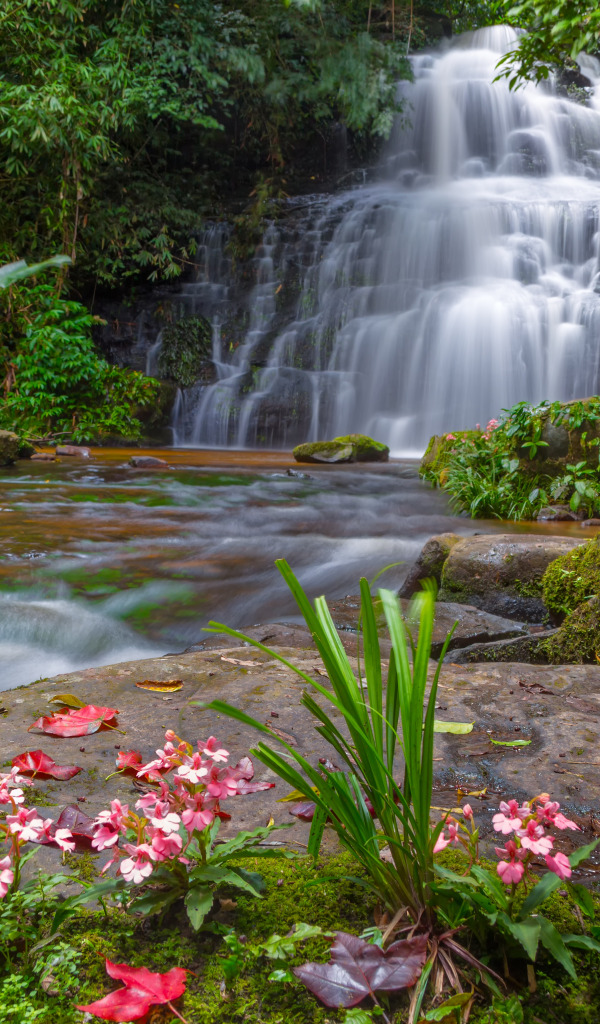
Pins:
x,y
105,563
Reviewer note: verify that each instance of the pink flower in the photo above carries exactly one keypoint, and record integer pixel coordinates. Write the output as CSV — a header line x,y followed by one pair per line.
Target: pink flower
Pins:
x,y
104,837
165,846
492,424
25,824
510,870
212,750
197,817
467,812
442,842
167,823
533,839
11,796
549,815
139,866
193,770
62,838
510,818
451,437
7,876
559,863
223,788
115,817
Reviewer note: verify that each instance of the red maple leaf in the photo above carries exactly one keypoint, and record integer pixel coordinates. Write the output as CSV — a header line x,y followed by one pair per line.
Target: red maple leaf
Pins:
x,y
79,722
37,762
143,989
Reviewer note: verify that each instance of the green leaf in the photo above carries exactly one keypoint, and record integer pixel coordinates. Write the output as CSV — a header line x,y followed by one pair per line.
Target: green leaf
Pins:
x,y
450,1008
511,743
582,942
317,827
583,898
282,975
540,892
91,892
456,728
582,853
554,944
527,932
198,902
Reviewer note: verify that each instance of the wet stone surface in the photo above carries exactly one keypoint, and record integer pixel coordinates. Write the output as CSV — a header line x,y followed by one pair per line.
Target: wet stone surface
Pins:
x,y
556,708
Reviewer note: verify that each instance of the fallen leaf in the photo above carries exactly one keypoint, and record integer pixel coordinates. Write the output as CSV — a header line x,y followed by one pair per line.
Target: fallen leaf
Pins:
x,y
456,728
235,661
510,743
80,722
537,688
69,700
358,969
142,989
286,736
168,686
38,763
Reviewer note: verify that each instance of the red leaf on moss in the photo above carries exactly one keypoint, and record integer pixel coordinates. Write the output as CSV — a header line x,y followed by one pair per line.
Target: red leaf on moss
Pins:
x,y
79,722
38,763
358,969
143,989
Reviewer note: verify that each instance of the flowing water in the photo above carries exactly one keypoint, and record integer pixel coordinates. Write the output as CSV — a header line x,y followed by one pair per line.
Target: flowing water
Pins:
x,y
104,563
463,279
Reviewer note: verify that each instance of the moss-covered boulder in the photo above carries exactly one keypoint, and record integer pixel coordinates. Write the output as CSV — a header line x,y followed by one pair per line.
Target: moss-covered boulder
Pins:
x,y
9,447
439,451
577,642
572,578
349,448
502,573
185,355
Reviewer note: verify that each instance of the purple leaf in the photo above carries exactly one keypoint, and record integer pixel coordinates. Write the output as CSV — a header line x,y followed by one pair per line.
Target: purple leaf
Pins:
x,y
358,969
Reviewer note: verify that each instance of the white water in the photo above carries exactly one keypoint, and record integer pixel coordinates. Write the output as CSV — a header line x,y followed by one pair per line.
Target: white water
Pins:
x,y
462,281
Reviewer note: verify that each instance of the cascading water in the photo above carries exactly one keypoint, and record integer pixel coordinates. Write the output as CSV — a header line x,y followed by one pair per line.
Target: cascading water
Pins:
x,y
464,280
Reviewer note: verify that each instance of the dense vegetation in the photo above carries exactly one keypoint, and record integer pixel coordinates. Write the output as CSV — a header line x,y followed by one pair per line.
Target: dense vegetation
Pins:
x,y
125,123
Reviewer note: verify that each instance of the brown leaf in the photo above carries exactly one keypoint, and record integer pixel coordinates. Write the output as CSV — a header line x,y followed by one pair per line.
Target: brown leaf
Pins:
x,y
236,661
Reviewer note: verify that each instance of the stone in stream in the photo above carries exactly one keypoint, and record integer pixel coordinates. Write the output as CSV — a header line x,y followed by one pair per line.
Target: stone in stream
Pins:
x,y
43,457
147,462
430,562
72,449
9,447
556,710
350,448
502,573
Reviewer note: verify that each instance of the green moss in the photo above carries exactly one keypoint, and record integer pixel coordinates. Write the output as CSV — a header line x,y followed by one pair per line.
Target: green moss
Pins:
x,y
185,356
530,588
83,865
439,452
350,448
572,578
577,642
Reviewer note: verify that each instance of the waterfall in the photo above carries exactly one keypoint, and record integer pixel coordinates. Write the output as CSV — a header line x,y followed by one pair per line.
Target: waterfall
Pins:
x,y
461,280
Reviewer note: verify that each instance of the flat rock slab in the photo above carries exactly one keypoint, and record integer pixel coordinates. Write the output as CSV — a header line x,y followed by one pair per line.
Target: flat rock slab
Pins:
x,y
556,708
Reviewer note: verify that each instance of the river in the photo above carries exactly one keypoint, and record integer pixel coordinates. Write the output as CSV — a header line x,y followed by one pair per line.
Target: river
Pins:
x,y
104,563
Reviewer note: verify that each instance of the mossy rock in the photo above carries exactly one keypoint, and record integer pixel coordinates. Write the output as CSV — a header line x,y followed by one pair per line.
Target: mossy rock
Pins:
x,y
9,447
186,353
572,578
577,642
438,452
350,448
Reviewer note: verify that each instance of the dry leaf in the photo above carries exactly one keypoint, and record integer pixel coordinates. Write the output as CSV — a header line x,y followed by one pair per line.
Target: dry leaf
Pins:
x,y
236,661
163,686
69,700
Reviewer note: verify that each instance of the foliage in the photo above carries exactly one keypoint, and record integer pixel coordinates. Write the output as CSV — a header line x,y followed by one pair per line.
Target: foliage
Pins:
x,y
578,639
186,350
554,31
55,383
572,578
496,472
121,124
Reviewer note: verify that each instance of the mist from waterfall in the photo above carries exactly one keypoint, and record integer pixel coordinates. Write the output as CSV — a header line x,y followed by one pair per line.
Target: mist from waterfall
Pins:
x,y
464,279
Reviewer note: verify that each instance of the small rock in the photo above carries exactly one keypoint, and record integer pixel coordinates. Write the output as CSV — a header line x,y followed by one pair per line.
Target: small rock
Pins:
x,y
43,457
591,522
297,474
72,449
147,462
557,514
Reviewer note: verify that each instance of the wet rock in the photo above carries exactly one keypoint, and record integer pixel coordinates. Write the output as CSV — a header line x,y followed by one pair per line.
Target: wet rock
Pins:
x,y
556,708
72,449
591,522
9,447
528,648
147,462
471,624
350,448
430,562
43,457
502,573
297,474
557,514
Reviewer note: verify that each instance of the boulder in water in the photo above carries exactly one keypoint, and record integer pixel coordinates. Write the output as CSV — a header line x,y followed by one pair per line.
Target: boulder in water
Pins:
x,y
72,449
350,448
430,562
147,462
9,447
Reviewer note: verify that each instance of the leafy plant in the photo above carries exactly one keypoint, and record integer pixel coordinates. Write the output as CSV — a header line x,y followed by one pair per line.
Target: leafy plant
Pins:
x,y
582,484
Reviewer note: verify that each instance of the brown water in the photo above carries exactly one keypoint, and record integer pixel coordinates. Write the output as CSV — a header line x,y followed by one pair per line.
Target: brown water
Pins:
x,y
102,562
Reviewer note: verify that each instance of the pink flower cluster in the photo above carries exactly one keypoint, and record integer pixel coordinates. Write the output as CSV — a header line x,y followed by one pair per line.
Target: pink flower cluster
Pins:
x,y
173,814
23,825
492,424
525,824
